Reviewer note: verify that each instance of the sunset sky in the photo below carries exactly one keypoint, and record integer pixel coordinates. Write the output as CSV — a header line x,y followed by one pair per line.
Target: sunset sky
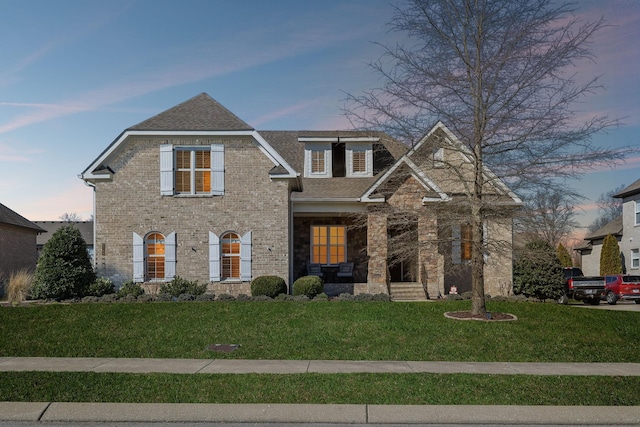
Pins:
x,y
74,74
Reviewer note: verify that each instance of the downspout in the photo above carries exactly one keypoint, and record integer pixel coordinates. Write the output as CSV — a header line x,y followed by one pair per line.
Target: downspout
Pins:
x,y
93,225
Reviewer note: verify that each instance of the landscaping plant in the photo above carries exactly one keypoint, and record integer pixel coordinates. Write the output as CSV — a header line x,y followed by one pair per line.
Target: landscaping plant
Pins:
x,y
537,272
308,285
179,286
19,286
64,269
610,261
271,286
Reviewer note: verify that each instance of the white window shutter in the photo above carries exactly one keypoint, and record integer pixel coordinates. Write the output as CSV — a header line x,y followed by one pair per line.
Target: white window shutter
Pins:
x,y
214,257
166,169
245,257
217,169
170,256
138,258
456,243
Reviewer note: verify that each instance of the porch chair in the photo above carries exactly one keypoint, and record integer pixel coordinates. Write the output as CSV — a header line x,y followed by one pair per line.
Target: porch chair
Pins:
x,y
314,270
345,269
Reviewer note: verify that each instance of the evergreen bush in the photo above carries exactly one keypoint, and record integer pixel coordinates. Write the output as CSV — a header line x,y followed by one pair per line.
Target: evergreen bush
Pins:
x,y
537,272
270,286
130,289
179,286
102,286
610,260
308,285
564,257
64,269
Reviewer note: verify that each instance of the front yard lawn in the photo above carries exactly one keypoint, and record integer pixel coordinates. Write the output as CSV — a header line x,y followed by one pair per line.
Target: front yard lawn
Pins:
x,y
320,330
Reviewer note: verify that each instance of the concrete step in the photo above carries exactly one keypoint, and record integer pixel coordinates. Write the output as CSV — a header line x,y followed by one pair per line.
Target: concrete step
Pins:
x,y
407,291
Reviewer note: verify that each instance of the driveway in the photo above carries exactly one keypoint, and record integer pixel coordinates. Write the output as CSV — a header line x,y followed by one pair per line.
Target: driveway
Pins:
x,y
620,306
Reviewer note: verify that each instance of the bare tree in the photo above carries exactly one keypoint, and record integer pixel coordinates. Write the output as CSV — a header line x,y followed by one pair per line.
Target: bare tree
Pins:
x,y
70,217
548,216
609,208
500,75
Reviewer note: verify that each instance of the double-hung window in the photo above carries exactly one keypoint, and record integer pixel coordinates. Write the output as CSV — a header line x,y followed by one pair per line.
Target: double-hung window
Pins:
x,y
637,213
328,244
461,243
635,258
195,170
318,164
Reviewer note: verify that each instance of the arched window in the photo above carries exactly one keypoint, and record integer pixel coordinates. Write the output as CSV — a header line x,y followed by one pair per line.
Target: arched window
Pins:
x,y
230,254
155,250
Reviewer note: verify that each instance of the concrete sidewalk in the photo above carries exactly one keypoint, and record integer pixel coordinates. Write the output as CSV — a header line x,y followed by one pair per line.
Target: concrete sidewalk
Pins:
x,y
243,366
330,414
306,413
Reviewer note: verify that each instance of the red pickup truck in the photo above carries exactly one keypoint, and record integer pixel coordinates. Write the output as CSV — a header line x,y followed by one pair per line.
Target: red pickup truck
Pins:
x,y
619,287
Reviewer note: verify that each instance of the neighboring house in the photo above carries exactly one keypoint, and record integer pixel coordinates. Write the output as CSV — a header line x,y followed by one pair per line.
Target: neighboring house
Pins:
x,y
591,248
626,229
17,243
50,227
198,193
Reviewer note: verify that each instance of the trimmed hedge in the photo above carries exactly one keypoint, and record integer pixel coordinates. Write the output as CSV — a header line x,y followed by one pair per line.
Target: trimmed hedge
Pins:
x,y
271,286
309,286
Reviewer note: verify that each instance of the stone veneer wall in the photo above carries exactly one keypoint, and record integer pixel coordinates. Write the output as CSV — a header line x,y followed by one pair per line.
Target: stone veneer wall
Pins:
x,y
356,244
131,202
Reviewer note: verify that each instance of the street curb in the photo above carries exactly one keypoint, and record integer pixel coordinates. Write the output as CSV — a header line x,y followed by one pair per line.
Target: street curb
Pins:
x,y
311,413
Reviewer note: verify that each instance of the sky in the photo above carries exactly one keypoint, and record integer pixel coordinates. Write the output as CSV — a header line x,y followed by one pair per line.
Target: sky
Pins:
x,y
75,73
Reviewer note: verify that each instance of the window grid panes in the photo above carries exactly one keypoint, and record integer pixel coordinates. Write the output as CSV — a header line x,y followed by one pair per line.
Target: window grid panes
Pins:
x,y
359,161
637,213
328,244
317,161
155,246
193,171
635,258
465,242
230,243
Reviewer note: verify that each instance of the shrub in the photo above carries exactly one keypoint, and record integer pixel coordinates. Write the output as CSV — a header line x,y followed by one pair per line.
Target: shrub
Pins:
x,y
537,272
179,286
610,260
102,286
243,297
261,298
270,286
64,269
186,297
563,256
308,285
130,289
164,297
206,297
19,286
321,297
226,297
145,298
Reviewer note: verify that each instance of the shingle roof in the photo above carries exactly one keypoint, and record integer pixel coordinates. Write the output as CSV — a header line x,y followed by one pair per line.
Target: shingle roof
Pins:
x,y
198,113
630,190
7,216
334,188
614,227
85,227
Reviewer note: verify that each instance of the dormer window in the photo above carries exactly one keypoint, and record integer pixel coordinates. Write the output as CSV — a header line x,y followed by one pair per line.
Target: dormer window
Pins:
x,y
338,157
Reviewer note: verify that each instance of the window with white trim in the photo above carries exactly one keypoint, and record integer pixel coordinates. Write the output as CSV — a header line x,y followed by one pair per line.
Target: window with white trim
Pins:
x,y
637,213
154,257
192,170
359,159
318,163
328,244
635,258
230,257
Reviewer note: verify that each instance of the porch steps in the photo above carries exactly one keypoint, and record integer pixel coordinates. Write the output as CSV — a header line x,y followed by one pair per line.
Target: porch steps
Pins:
x,y
407,291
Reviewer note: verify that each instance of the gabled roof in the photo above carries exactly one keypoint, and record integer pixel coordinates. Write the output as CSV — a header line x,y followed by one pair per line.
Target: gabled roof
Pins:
x,y
7,216
198,113
629,191
614,228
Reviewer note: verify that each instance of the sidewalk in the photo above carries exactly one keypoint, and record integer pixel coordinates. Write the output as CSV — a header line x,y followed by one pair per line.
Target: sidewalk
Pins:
x,y
306,413
242,366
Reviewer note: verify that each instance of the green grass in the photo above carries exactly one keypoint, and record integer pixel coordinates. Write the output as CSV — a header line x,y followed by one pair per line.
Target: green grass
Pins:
x,y
399,389
320,330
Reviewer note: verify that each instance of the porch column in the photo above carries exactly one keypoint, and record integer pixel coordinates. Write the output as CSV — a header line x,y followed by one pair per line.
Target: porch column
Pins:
x,y
429,274
377,252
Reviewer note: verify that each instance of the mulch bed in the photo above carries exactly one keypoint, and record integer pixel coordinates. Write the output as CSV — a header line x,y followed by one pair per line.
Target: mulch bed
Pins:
x,y
490,317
